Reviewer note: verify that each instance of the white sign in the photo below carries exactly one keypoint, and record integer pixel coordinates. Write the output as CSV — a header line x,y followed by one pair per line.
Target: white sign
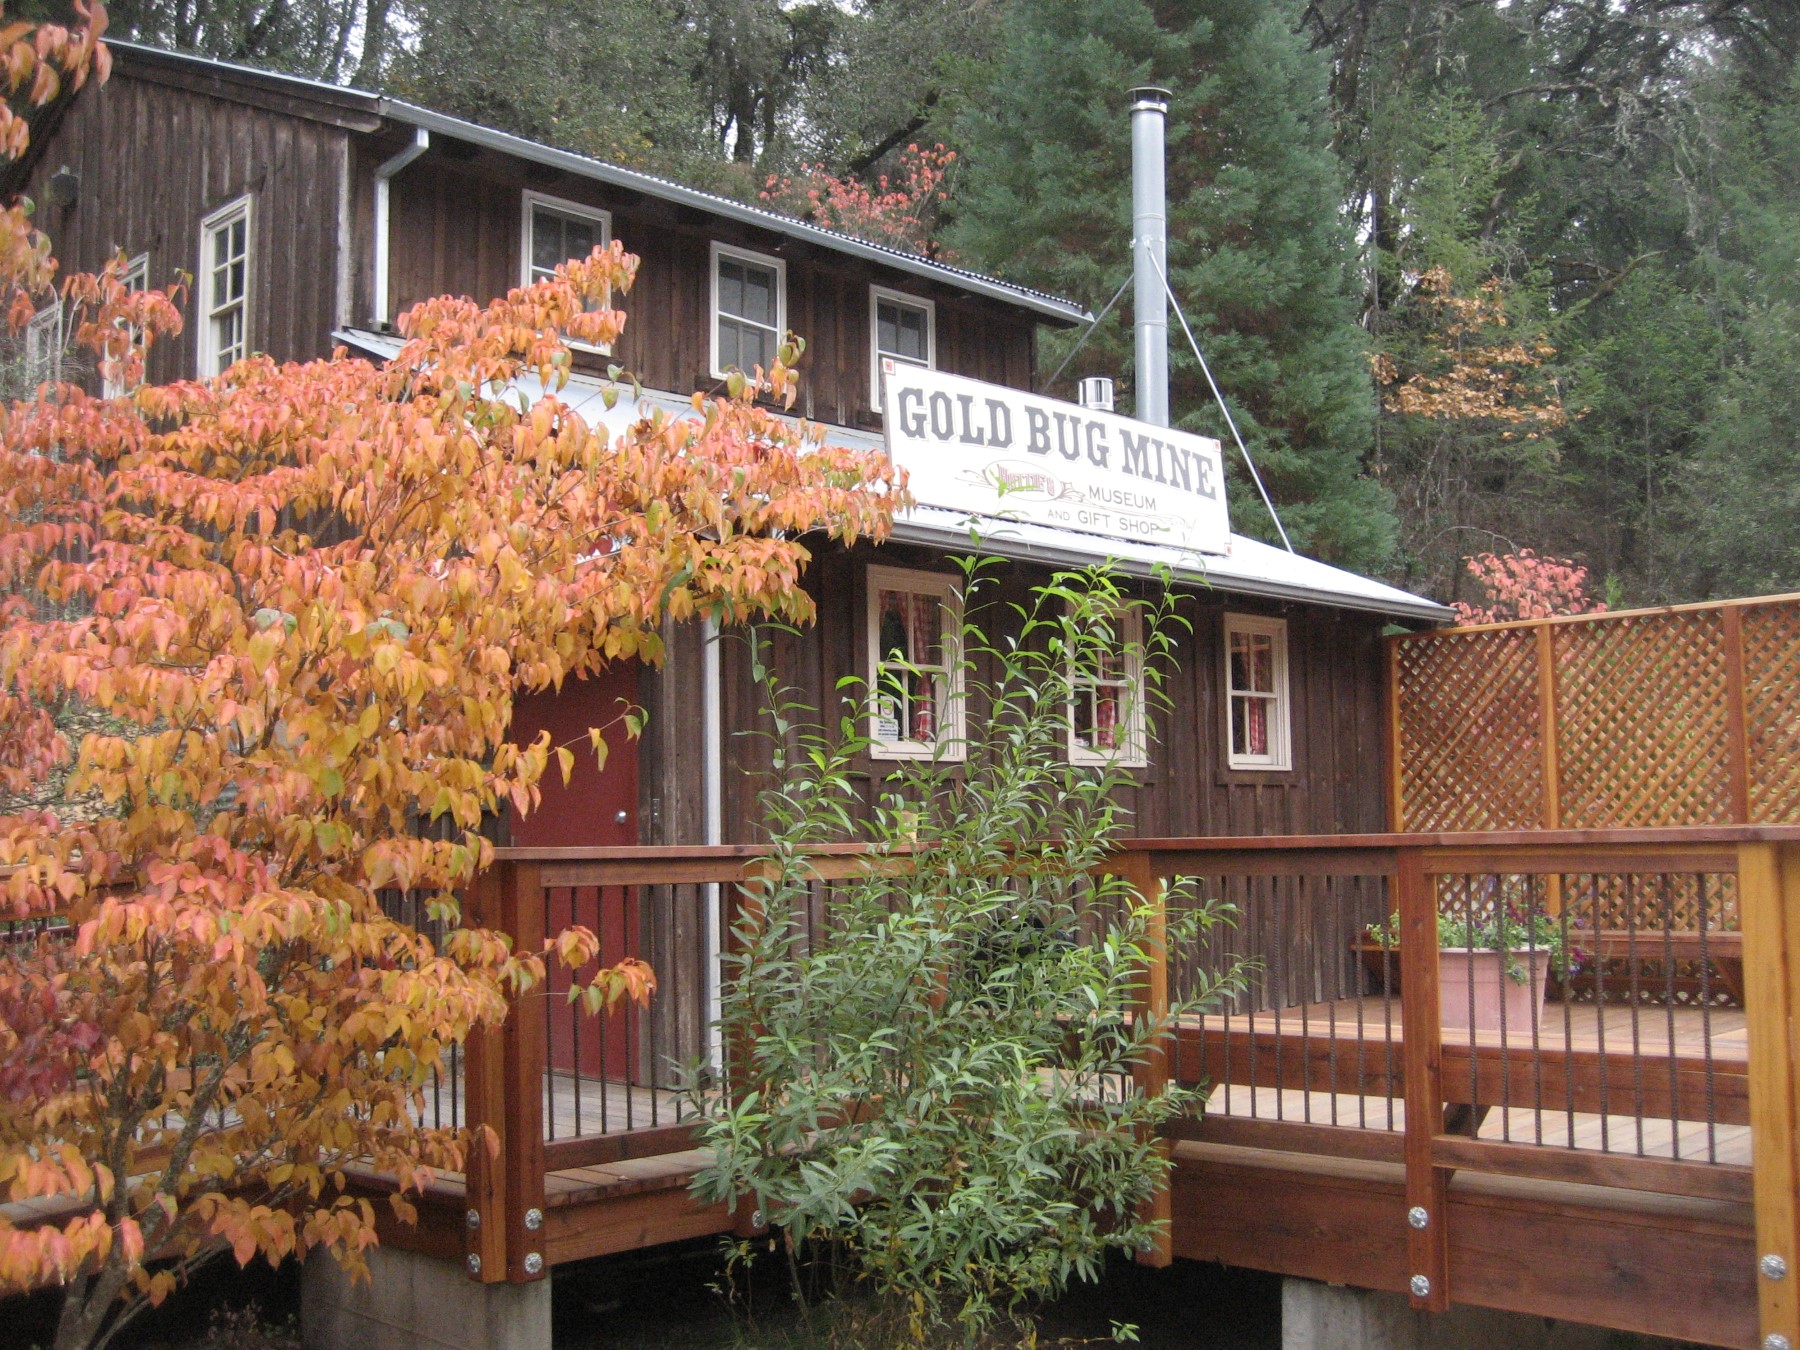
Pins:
x,y
994,451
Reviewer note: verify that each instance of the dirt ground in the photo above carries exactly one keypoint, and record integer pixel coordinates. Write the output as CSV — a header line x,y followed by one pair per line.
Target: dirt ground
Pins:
x,y
671,1300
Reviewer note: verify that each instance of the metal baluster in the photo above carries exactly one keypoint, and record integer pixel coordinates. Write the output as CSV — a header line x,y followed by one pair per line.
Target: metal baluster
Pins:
x,y
652,900
1568,1017
1336,954
1500,916
1536,895
1706,1040
1668,897
1637,1041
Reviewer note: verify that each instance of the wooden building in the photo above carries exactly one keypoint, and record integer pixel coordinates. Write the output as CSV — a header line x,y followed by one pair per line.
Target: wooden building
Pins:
x,y
1625,1159
310,215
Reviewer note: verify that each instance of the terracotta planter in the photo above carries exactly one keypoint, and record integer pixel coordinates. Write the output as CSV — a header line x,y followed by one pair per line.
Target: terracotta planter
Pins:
x,y
1477,979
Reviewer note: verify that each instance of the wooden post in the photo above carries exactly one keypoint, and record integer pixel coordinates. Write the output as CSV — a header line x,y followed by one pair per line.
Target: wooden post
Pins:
x,y
1552,767
1427,1185
1546,665
1737,736
1151,1076
1396,779
1769,910
522,913
484,1061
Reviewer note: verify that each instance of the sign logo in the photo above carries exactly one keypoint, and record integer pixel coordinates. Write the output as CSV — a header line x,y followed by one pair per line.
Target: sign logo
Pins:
x,y
994,451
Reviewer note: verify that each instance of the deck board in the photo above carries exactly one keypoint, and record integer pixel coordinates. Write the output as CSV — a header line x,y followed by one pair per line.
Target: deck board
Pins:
x,y
576,1108
1519,1125
1614,1028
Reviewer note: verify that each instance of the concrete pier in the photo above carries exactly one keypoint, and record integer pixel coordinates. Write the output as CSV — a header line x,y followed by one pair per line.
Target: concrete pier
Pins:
x,y
1318,1316
418,1302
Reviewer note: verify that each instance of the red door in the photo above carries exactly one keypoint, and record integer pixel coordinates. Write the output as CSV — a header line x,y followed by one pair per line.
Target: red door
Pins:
x,y
598,806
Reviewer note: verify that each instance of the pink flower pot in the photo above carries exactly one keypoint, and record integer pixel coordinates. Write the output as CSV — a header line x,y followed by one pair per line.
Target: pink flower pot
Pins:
x,y
1477,979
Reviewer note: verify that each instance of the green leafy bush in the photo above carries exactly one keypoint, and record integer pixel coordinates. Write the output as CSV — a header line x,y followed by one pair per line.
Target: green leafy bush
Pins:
x,y
931,1063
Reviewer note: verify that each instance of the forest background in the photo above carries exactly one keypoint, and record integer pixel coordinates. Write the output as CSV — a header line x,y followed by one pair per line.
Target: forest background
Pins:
x,y
1476,275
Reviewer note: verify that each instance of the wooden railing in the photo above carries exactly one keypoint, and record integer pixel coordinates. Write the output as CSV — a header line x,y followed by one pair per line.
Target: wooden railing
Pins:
x,y
1687,715
1665,1080
565,1088
1668,1067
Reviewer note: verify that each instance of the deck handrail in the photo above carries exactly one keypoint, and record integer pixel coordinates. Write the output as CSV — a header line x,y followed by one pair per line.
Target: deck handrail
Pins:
x,y
506,1066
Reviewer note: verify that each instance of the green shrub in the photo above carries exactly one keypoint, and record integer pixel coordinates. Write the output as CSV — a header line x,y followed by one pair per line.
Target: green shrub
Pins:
x,y
931,1066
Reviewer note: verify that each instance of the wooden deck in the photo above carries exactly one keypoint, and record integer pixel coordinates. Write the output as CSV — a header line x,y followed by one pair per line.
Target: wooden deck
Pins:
x,y
1646,1030
1606,1166
1634,1136
575,1108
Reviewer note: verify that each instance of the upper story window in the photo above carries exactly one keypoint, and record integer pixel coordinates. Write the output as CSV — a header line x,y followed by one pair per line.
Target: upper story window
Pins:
x,y
1106,684
558,231
224,284
44,346
901,328
135,277
915,620
749,309
1256,693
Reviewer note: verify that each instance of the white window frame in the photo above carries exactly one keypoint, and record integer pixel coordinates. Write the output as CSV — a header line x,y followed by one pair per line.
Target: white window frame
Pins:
x,y
43,346
135,277
1133,751
951,742
761,260
1281,743
529,202
211,359
876,295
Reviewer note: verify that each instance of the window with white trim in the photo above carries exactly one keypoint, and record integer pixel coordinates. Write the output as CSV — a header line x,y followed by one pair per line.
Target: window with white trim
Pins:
x,y
224,287
554,231
44,346
749,309
135,277
1106,687
916,694
901,328
1256,693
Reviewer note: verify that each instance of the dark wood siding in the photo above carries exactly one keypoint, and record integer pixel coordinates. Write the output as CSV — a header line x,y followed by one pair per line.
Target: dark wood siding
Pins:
x,y
155,160
1335,689
456,231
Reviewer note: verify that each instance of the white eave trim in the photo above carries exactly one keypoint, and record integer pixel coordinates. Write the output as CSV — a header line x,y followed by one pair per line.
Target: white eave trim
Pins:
x,y
1231,575
1251,568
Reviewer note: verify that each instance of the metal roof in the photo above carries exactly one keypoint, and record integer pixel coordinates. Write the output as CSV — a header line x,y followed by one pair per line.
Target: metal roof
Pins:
x,y
1052,308
1251,568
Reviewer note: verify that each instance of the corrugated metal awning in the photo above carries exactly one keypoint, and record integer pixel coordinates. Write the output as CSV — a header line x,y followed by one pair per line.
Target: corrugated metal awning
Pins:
x,y
1250,568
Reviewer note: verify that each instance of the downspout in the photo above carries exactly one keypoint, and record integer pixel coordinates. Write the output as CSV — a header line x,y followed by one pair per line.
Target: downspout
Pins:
x,y
712,780
1149,253
384,174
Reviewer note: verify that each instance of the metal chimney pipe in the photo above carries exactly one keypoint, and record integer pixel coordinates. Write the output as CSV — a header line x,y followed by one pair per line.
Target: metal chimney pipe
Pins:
x,y
1149,253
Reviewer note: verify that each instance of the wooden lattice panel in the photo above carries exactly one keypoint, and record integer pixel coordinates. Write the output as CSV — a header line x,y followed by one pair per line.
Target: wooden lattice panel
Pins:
x,y
1642,718
1772,710
1470,753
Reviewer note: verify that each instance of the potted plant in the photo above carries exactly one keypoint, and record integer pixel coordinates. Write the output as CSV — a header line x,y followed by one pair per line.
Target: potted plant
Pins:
x,y
1493,967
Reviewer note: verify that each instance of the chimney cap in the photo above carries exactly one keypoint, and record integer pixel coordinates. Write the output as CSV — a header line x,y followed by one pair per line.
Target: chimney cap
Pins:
x,y
1149,98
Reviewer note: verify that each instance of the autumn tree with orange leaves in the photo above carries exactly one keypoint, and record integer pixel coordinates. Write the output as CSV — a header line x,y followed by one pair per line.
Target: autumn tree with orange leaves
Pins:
x,y
899,209
1472,416
301,600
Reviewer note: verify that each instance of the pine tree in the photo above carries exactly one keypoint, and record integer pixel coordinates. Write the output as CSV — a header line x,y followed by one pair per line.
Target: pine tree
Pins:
x,y
1258,252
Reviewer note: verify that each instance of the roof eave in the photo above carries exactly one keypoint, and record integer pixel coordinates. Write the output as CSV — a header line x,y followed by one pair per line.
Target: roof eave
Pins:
x,y
1411,608
1045,307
